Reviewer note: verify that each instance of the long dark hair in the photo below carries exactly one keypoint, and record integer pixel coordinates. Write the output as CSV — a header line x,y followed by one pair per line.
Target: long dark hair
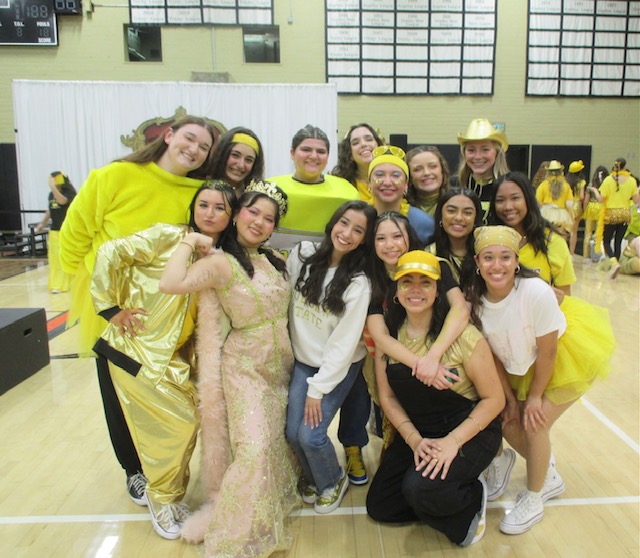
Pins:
x,y
380,282
534,224
573,179
155,150
599,175
223,149
346,167
233,247
396,313
442,240
65,178
228,194
352,264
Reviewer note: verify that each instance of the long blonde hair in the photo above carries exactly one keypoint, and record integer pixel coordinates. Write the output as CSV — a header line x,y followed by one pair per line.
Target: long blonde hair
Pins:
x,y
500,166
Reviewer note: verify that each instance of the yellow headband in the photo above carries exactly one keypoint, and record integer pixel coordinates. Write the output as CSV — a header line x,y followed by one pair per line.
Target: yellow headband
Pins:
x,y
246,139
389,158
58,179
498,235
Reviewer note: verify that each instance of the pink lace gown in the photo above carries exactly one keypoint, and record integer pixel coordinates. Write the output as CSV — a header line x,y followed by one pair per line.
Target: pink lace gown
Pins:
x,y
258,489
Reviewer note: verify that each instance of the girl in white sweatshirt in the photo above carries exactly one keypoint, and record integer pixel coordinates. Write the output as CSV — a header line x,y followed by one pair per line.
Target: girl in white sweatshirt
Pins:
x,y
331,293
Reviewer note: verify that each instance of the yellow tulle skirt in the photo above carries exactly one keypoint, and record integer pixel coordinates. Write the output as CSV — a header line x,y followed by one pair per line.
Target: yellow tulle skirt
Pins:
x,y
583,355
559,216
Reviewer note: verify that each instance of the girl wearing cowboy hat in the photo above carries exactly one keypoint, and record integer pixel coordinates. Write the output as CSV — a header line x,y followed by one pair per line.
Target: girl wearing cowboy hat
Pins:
x,y
483,159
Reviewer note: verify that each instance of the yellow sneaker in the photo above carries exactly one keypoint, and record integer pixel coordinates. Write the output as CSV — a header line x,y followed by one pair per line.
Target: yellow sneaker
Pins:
x,y
355,466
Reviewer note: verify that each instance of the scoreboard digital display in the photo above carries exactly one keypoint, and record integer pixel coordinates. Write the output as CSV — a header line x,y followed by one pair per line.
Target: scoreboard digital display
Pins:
x,y
28,22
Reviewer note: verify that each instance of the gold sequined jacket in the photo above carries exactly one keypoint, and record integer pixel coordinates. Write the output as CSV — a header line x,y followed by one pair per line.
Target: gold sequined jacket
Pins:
x,y
127,275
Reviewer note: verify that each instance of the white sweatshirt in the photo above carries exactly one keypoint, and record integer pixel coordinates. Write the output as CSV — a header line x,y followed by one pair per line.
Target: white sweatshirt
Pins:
x,y
323,340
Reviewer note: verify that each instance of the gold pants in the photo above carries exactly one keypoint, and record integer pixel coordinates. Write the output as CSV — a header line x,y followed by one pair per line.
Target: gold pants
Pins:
x,y
163,420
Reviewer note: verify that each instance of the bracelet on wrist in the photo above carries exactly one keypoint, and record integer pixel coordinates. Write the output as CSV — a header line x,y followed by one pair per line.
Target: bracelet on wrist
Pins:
x,y
472,419
406,440
193,248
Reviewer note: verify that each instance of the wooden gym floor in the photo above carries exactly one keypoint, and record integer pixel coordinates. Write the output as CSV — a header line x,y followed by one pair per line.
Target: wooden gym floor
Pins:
x,y
62,492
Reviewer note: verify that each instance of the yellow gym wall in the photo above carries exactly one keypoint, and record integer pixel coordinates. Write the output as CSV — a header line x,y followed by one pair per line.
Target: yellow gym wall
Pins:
x,y
92,48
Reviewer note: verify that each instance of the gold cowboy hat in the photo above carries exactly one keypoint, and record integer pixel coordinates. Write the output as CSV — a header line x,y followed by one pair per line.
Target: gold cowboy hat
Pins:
x,y
481,129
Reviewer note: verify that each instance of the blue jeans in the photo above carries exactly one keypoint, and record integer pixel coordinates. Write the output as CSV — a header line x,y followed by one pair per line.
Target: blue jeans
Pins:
x,y
314,449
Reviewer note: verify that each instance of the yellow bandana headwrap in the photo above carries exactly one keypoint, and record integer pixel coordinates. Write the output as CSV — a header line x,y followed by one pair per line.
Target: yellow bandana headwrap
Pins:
x,y
58,179
246,139
498,235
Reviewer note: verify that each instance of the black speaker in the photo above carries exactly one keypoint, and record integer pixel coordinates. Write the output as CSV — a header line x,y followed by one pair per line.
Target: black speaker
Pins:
x,y
399,140
24,344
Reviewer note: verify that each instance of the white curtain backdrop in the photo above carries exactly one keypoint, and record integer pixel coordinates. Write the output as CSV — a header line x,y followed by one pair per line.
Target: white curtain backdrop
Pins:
x,y
75,126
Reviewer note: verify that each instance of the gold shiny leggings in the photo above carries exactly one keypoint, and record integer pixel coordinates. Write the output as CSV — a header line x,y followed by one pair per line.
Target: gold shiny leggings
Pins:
x,y
163,420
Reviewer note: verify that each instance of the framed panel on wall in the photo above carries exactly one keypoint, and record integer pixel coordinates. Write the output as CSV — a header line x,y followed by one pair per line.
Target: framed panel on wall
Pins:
x,y
583,48
201,12
411,47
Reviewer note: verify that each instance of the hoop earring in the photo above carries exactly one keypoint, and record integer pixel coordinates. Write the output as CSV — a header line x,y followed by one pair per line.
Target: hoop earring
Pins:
x,y
477,271
517,269
440,223
234,222
395,300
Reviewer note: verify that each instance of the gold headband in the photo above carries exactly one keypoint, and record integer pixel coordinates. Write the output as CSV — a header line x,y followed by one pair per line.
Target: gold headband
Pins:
x,y
498,235
246,139
271,190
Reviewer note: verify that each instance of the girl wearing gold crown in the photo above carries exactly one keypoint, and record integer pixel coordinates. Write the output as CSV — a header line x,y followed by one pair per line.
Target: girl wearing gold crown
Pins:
x,y
258,490
547,357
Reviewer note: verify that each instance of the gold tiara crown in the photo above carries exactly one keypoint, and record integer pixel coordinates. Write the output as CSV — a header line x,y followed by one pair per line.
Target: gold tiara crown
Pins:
x,y
271,190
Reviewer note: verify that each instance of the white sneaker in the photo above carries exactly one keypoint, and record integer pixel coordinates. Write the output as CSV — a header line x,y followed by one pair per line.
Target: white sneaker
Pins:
x,y
482,523
181,512
553,483
163,519
498,472
526,513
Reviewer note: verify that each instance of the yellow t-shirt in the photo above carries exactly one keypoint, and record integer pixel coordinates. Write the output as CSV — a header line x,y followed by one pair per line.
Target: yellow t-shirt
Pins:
x,y
618,196
556,264
543,195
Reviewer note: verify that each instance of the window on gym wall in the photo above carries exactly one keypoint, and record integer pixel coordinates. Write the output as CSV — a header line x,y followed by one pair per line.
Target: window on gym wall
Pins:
x,y
261,43
143,43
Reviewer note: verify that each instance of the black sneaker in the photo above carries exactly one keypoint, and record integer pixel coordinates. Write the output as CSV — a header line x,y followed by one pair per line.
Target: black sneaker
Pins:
x,y
136,486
